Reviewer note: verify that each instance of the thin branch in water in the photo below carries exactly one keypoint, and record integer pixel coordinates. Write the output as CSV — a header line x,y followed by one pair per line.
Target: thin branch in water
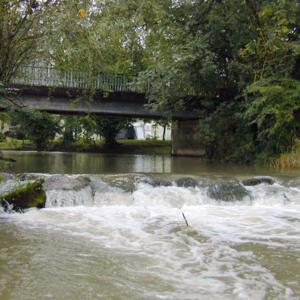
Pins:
x,y
286,199
185,220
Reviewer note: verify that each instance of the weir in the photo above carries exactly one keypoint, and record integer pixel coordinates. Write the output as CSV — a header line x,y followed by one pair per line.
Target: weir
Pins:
x,y
125,234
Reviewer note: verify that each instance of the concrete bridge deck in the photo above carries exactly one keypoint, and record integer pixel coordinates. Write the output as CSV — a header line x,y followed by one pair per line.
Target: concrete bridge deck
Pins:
x,y
46,89
75,101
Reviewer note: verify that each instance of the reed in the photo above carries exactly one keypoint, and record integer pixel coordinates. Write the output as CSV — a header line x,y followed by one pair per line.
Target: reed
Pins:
x,y
288,160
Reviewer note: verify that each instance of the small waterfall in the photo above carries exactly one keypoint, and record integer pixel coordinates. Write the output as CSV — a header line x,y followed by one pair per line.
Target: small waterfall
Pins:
x,y
63,198
140,190
165,191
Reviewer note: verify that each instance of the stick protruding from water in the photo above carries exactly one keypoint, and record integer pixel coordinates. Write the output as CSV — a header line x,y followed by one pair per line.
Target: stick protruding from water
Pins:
x,y
186,222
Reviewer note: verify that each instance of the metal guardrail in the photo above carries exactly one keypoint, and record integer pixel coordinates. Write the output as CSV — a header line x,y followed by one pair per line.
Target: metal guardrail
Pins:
x,y
50,77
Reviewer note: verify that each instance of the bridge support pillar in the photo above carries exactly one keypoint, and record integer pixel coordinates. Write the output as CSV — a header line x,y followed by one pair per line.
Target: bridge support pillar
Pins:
x,y
185,138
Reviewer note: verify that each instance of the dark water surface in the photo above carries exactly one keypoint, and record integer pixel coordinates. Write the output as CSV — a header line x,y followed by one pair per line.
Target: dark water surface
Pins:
x,y
91,163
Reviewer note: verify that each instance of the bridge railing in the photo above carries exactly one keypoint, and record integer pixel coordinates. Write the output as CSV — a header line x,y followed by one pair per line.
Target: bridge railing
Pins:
x,y
51,77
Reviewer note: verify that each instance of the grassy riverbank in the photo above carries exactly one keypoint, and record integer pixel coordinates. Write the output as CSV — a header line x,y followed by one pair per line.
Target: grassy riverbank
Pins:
x,y
123,146
290,159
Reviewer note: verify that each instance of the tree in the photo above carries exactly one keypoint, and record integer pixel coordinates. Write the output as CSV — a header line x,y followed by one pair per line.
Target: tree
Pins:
x,y
39,127
24,25
92,41
109,128
262,119
165,123
71,129
88,128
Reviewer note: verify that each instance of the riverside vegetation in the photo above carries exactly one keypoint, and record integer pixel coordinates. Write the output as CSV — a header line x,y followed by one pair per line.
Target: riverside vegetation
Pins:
x,y
239,59
41,131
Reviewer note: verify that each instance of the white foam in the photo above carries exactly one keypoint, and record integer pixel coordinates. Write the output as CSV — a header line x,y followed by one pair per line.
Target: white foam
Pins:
x,y
203,261
62,198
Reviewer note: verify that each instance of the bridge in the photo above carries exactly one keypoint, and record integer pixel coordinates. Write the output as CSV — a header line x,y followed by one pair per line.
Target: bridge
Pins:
x,y
63,92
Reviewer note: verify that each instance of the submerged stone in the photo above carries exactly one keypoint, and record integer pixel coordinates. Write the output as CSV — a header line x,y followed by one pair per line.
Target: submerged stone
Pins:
x,y
6,206
126,182
157,182
66,183
186,182
257,180
5,176
228,191
160,182
23,195
24,176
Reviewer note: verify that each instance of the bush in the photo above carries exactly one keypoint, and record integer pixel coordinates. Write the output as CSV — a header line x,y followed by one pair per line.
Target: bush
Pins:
x,y
2,137
38,127
257,127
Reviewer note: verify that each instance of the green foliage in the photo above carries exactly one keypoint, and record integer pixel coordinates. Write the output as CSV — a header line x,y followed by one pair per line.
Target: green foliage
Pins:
x,y
38,127
3,92
108,39
226,136
24,27
71,129
88,126
109,128
85,128
2,88
257,127
2,137
197,52
274,110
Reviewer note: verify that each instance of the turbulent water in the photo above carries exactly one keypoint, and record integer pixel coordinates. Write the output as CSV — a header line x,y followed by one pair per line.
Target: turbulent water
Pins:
x,y
125,237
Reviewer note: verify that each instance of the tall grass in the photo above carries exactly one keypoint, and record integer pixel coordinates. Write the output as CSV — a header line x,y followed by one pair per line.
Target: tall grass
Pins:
x,y
288,160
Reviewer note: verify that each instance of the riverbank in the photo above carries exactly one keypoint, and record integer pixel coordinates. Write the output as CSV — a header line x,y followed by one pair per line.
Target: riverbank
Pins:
x,y
122,147
290,159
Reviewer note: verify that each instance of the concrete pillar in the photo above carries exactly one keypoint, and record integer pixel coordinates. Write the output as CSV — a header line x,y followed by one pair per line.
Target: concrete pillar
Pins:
x,y
186,140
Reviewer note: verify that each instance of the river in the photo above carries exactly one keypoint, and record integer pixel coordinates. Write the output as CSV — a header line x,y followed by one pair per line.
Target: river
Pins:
x,y
123,234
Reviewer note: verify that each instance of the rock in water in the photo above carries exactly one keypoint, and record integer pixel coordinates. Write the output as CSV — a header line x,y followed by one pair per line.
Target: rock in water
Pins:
x,y
66,183
157,182
186,182
228,191
6,206
257,180
23,195
160,182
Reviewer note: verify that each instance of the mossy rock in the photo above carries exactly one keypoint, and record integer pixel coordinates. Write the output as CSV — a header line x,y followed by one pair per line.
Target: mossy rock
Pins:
x,y
156,182
257,181
4,177
27,177
26,195
66,183
228,191
187,182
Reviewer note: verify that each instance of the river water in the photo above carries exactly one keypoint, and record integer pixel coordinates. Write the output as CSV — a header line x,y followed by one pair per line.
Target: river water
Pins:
x,y
116,231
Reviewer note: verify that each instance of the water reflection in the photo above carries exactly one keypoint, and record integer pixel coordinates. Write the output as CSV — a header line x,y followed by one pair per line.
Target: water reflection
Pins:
x,y
88,163
93,163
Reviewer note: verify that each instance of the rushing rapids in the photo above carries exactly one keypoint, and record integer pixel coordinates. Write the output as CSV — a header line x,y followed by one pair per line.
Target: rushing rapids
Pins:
x,y
125,237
